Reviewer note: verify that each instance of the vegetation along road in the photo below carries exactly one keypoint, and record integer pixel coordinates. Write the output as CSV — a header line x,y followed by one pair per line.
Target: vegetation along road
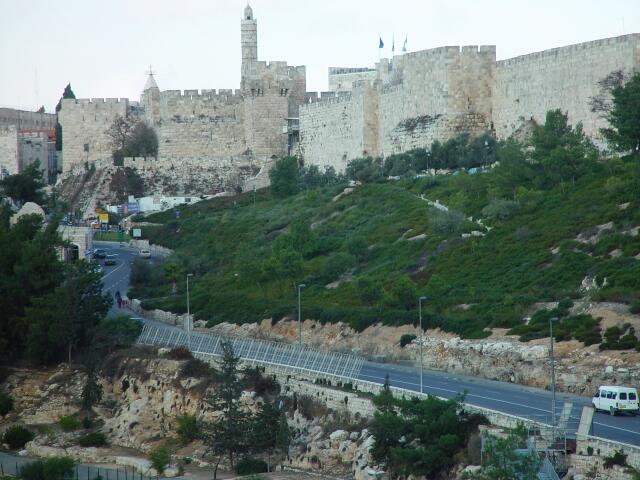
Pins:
x,y
501,396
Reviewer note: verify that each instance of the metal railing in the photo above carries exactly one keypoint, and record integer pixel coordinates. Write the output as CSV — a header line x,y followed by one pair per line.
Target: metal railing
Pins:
x,y
283,356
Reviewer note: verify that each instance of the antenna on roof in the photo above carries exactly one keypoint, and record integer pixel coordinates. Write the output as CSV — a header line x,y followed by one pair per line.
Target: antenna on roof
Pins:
x,y
151,72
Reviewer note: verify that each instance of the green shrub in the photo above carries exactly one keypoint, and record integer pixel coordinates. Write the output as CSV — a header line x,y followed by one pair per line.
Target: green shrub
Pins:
x,y
180,353
500,209
6,403
17,437
618,458
93,439
188,428
160,457
69,423
406,339
635,307
55,468
250,465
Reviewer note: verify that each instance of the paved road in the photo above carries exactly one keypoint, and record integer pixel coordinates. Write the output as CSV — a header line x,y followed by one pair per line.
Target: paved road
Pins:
x,y
505,397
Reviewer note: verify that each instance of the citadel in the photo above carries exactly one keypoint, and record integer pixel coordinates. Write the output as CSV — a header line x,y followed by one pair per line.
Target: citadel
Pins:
x,y
209,137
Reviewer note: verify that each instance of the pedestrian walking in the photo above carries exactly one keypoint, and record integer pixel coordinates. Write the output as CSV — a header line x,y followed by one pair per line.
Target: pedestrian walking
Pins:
x,y
118,298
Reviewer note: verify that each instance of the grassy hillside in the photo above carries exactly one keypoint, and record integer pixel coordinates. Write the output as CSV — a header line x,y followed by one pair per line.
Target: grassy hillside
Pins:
x,y
367,256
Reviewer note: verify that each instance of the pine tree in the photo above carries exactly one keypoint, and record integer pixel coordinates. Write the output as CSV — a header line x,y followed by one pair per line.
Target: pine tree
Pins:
x,y
227,434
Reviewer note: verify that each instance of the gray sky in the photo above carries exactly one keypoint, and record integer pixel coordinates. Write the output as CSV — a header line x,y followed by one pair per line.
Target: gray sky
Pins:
x,y
104,47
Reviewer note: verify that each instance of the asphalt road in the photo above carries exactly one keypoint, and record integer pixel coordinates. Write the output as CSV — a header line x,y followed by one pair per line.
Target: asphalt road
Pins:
x,y
509,398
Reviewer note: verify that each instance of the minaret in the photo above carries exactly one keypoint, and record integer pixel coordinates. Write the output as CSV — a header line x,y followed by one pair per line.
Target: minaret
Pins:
x,y
248,38
151,99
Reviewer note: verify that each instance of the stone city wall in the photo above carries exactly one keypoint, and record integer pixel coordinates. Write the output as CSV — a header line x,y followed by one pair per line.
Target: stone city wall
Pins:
x,y
8,150
343,79
84,124
25,120
205,125
565,78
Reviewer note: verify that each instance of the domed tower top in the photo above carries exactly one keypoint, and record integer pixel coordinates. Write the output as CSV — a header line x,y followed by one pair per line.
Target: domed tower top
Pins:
x,y
249,37
248,12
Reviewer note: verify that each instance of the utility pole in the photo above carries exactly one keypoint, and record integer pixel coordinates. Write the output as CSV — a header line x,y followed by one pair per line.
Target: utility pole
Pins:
x,y
299,288
188,324
553,377
420,300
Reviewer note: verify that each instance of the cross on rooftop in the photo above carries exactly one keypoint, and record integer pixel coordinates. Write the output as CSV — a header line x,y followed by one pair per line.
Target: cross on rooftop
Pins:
x,y
151,72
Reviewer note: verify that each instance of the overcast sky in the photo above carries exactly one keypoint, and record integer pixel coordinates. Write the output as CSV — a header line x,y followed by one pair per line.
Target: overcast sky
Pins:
x,y
105,47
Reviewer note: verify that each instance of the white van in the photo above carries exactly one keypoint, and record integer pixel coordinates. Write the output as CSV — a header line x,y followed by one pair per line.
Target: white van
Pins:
x,y
616,399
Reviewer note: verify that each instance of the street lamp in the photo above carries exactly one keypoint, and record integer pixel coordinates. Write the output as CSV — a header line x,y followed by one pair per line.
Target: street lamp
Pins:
x,y
553,376
299,288
188,325
420,300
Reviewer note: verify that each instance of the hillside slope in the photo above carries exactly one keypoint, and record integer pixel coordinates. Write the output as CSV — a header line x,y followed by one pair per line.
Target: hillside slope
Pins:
x,y
366,254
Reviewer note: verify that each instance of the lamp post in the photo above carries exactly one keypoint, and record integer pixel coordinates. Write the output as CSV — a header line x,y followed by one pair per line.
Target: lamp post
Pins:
x,y
299,288
188,325
553,376
420,300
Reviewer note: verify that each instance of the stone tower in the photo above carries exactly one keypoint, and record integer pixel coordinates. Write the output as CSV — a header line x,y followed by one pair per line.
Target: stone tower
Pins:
x,y
151,100
249,38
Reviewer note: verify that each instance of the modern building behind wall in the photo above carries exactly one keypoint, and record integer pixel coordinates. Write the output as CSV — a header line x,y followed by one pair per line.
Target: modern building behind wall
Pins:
x,y
27,137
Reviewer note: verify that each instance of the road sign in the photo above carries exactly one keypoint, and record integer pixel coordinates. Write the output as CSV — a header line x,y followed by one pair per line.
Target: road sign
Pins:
x,y
137,232
132,207
103,217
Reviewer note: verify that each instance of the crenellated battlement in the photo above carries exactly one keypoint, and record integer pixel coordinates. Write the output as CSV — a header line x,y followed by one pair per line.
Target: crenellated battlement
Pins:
x,y
312,100
83,103
573,50
205,93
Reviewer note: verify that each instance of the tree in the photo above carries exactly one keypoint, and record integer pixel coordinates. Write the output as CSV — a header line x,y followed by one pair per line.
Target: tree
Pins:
x,y
561,150
160,457
142,141
40,110
116,332
502,462
120,132
92,390
624,116
513,170
188,428
172,271
55,468
366,170
68,93
25,186
284,177
269,431
66,318
29,268
369,291
405,293
419,437
227,434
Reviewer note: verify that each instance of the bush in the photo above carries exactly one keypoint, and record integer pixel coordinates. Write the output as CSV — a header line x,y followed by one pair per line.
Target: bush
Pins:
x,y
55,468
188,428
406,339
635,307
446,223
337,264
180,353
260,383
249,465
93,439
365,170
285,177
69,423
618,458
500,209
197,369
311,408
17,437
6,403
160,458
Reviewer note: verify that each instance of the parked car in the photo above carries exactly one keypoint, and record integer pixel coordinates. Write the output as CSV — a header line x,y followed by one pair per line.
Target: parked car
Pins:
x,y
144,253
614,399
99,253
110,260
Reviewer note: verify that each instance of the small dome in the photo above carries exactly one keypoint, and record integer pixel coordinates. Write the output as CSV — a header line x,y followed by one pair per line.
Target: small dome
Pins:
x,y
248,12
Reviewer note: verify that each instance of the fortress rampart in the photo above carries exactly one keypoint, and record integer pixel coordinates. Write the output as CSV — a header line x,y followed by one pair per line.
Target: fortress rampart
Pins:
x,y
435,94
402,103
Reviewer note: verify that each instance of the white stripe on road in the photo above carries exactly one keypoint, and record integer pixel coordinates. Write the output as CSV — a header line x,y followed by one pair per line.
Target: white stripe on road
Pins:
x,y
497,400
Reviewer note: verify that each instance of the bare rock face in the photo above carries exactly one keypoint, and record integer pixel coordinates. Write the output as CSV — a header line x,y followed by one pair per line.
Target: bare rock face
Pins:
x,y
43,396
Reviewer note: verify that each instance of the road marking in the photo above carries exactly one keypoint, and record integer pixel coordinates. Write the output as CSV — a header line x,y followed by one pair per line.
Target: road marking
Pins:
x,y
117,268
498,400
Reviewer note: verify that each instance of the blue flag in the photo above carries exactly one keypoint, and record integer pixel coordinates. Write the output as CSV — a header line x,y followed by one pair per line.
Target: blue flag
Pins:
x,y
381,43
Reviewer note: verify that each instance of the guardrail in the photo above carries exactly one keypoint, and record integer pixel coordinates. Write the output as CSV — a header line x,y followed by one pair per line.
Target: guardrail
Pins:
x,y
282,356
